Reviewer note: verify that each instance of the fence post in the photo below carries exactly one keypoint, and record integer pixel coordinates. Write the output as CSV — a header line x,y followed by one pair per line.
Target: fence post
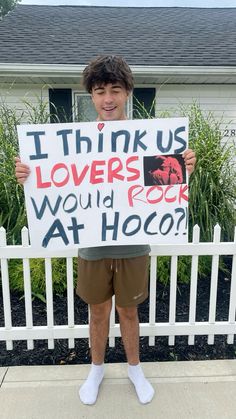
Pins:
x,y
232,303
193,284
70,297
27,287
152,297
214,283
6,289
112,340
49,299
173,290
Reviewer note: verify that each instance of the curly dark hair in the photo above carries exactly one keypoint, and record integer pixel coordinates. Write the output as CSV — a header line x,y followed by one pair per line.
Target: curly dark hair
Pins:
x,y
107,69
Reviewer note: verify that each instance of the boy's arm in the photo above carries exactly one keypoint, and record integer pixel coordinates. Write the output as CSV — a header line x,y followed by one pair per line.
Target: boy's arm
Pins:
x,y
22,171
190,160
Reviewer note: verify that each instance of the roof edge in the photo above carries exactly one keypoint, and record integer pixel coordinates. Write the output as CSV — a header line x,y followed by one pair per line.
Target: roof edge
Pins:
x,y
36,70
125,7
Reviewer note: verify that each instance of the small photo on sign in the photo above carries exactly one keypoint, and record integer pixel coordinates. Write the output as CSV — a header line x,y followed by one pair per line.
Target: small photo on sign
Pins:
x,y
164,170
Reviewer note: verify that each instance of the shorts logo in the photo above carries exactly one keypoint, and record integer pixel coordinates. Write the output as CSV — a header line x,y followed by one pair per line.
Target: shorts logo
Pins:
x,y
137,296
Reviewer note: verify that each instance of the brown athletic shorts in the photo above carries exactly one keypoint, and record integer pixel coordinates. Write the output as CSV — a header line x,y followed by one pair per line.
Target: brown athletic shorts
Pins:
x,y
127,279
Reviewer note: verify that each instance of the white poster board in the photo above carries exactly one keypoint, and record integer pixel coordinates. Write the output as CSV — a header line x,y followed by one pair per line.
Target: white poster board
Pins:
x,y
106,183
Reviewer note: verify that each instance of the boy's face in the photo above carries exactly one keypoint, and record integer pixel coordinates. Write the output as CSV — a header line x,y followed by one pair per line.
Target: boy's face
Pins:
x,y
109,101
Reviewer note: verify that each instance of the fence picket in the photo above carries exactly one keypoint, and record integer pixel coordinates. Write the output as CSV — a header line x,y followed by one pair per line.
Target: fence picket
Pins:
x,y
89,316
70,297
193,285
232,302
173,289
152,297
214,283
27,287
112,323
6,289
49,298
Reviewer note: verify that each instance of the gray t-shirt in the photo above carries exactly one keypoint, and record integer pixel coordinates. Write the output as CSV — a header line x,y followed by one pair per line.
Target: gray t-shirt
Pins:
x,y
114,252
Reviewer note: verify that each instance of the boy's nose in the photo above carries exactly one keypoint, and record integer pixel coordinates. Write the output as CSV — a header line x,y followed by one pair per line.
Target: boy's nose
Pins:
x,y
108,98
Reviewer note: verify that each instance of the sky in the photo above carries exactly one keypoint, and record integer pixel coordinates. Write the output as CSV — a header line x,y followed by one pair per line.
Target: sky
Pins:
x,y
138,3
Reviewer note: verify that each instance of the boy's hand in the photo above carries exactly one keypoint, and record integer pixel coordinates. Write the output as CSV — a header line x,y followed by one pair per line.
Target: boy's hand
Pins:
x,y
190,160
22,171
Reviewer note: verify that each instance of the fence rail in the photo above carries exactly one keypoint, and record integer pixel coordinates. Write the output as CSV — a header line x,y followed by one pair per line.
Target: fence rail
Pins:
x,y
72,331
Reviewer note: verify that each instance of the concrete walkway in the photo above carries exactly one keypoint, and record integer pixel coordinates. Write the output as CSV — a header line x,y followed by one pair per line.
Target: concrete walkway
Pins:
x,y
193,390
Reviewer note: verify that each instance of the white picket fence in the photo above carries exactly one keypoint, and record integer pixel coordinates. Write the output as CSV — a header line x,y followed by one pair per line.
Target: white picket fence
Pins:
x,y
72,331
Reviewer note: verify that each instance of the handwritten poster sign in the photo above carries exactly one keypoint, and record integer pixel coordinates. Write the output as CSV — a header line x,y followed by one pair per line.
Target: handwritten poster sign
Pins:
x,y
106,183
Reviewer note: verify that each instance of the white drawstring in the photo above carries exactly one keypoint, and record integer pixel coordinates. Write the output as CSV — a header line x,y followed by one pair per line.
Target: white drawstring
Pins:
x,y
116,265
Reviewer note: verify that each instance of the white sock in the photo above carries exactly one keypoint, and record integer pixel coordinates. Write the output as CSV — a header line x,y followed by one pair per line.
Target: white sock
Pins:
x,y
88,392
144,390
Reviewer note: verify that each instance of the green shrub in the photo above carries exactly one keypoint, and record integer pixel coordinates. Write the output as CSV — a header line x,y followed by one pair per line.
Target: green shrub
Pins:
x,y
183,271
212,193
36,113
12,206
12,202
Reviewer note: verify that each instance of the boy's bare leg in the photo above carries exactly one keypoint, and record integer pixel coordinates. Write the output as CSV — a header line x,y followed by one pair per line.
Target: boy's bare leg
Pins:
x,y
99,329
129,325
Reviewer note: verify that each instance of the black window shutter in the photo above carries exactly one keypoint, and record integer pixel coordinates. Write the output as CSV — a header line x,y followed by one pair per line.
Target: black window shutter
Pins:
x,y
144,102
60,105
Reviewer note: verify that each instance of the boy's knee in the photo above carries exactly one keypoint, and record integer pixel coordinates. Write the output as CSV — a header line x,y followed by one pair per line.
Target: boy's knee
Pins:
x,y
127,313
101,311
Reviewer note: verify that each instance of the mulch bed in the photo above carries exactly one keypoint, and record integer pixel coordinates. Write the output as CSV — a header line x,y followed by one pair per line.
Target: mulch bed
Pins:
x,y
181,351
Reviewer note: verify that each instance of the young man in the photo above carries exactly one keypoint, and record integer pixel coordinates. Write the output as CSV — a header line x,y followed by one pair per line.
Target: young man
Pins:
x,y
116,270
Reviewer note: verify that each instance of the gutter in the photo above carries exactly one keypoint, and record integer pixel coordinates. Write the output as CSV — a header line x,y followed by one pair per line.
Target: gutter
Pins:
x,y
75,70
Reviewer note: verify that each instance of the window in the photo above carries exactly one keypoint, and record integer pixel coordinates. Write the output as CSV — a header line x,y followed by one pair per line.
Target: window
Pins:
x,y
84,109
60,102
144,102
140,105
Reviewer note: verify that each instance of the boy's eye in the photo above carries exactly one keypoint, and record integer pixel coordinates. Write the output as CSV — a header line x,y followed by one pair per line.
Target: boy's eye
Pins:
x,y
116,91
98,90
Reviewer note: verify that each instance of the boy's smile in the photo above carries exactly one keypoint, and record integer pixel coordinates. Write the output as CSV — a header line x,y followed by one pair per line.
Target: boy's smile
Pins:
x,y
109,101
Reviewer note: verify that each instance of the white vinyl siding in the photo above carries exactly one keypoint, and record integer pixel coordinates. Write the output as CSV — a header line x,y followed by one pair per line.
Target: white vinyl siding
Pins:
x,y
219,99
16,96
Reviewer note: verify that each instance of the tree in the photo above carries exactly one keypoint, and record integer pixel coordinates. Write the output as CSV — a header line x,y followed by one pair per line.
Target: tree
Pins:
x,y
6,6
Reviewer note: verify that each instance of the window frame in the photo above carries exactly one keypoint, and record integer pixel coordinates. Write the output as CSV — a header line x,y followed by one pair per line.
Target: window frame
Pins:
x,y
77,93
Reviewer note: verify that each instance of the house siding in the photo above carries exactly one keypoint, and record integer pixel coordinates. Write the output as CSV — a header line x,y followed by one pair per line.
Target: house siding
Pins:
x,y
16,97
219,99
